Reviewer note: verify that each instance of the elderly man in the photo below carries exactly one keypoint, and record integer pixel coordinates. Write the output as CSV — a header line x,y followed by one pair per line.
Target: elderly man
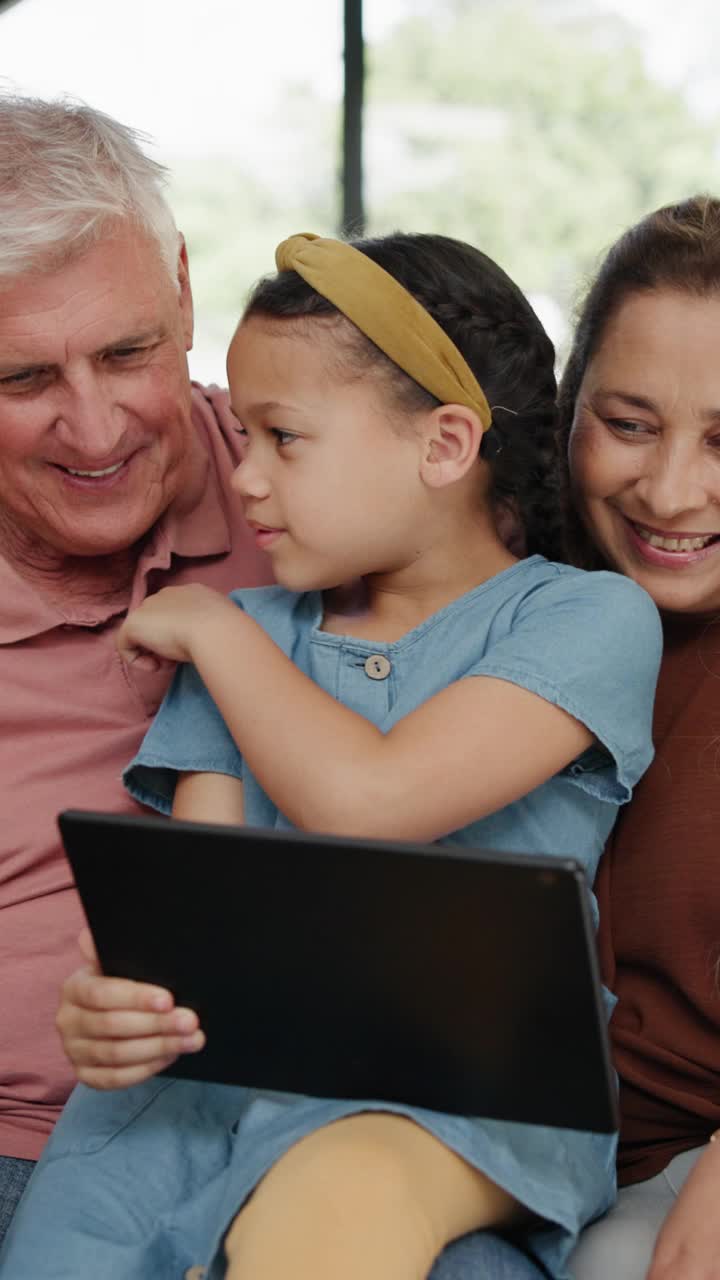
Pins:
x,y
114,475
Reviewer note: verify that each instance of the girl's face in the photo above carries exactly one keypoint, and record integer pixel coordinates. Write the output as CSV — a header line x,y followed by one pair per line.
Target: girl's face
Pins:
x,y
330,489
645,447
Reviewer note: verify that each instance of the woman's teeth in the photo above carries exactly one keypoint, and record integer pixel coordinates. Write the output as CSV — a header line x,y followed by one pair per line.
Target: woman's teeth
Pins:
x,y
674,544
107,471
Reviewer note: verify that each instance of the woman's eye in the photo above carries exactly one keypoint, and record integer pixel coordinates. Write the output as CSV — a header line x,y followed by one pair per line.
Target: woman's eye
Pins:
x,y
627,427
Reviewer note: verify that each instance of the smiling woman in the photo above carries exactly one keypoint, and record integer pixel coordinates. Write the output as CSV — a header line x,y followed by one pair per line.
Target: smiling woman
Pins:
x,y
645,446
640,403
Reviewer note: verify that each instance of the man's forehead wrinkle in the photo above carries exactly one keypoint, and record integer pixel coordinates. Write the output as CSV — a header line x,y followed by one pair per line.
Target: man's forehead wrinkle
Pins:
x,y
25,304
21,336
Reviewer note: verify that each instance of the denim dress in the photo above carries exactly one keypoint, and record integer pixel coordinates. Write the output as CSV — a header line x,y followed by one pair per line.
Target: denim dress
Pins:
x,y
144,1182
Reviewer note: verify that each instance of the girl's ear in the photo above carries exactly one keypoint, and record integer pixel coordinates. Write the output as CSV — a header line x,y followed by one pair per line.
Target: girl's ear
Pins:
x,y
451,442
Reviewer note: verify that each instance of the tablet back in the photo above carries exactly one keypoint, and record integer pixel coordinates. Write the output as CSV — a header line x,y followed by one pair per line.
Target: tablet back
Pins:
x,y
461,980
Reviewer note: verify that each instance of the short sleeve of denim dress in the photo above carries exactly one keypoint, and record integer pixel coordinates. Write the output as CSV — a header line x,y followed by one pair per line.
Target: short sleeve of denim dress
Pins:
x,y
589,643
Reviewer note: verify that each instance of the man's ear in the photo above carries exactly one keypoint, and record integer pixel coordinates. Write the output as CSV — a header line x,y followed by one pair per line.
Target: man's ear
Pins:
x,y
185,294
451,442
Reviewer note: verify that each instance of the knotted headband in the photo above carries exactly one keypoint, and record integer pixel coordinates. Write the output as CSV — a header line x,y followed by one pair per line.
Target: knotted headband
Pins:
x,y
387,314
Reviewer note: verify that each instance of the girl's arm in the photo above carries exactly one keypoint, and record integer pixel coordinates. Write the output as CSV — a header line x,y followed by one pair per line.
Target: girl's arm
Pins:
x,y
470,750
209,797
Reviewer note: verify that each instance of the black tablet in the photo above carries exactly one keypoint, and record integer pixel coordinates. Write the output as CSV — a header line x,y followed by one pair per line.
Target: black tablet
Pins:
x,y
457,979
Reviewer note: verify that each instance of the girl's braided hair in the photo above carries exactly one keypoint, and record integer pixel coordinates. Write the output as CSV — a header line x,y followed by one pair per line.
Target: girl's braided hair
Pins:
x,y
496,330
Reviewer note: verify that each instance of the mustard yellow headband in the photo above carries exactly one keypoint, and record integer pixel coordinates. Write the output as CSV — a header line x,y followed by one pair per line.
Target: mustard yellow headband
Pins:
x,y
387,314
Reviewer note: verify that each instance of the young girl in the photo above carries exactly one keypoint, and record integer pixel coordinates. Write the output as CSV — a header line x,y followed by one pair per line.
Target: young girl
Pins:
x,y
409,678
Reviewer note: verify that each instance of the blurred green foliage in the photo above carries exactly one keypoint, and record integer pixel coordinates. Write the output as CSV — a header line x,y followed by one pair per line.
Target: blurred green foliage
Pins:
x,y
572,141
234,212
534,131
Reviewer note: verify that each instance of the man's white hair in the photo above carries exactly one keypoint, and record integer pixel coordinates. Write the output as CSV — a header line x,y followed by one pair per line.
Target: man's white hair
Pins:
x,y
67,174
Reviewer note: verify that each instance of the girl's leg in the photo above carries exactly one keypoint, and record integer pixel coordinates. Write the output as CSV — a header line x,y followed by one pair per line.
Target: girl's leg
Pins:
x,y
373,1195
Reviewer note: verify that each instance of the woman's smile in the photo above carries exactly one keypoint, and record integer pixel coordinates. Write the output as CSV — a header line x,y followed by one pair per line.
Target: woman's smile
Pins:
x,y
669,549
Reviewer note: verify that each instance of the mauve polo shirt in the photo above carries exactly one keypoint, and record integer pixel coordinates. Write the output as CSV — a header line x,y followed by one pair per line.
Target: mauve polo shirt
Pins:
x,y
72,715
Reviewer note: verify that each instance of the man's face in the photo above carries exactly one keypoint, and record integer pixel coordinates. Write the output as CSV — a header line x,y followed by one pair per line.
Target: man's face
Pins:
x,y
96,437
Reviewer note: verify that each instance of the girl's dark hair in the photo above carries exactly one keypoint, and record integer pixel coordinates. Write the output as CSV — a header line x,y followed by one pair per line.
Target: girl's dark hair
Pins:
x,y
496,330
676,247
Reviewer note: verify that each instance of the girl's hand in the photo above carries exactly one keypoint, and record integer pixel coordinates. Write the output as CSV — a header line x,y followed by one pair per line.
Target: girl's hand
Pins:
x,y
167,623
688,1246
117,1032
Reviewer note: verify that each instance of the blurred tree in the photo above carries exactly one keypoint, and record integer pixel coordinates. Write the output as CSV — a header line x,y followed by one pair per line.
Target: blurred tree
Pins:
x,y
534,131
531,129
233,213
